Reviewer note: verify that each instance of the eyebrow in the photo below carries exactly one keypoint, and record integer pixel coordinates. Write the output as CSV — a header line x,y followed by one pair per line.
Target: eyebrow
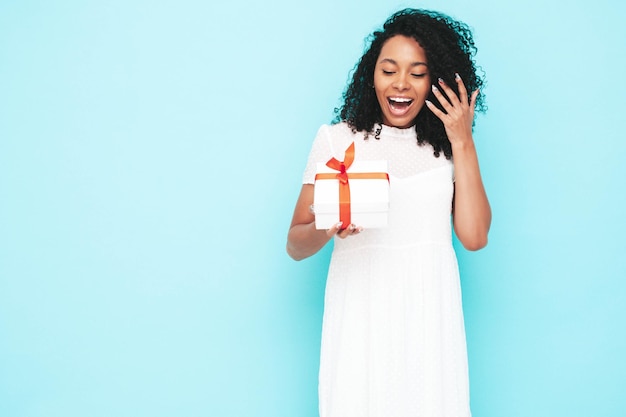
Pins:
x,y
414,64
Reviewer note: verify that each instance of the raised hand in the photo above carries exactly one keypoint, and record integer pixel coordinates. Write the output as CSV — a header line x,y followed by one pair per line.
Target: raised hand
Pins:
x,y
458,114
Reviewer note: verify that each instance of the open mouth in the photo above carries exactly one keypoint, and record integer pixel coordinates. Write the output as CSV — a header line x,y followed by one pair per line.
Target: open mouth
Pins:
x,y
399,105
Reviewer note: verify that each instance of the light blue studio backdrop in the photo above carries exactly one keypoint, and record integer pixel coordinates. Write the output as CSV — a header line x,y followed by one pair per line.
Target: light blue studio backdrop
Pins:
x,y
150,158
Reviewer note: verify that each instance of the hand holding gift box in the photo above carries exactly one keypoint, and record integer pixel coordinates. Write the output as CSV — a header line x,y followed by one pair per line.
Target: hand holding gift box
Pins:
x,y
350,191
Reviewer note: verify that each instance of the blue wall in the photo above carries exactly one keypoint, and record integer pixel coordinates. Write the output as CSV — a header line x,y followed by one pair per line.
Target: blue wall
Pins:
x,y
150,158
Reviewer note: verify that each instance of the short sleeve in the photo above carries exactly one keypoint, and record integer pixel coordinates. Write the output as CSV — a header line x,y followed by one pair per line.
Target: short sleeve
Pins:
x,y
321,151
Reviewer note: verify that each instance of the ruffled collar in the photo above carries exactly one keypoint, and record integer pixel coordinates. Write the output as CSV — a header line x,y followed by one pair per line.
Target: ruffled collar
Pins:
x,y
397,132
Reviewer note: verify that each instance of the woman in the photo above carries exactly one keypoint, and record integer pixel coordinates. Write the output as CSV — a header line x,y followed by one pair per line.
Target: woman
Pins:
x,y
393,340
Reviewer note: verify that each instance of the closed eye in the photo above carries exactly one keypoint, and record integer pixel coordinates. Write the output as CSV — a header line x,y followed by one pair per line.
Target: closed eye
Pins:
x,y
420,75
388,72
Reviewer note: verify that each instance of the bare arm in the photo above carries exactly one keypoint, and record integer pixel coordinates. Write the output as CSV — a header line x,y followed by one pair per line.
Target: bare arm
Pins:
x,y
303,239
471,209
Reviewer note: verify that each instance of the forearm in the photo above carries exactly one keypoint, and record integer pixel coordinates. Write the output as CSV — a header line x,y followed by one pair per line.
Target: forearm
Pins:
x,y
304,240
472,212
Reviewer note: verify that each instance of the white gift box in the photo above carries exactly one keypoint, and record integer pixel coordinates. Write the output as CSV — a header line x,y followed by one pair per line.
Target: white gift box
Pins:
x,y
369,197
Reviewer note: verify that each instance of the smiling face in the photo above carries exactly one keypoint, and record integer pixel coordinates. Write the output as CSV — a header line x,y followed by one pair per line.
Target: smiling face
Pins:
x,y
401,80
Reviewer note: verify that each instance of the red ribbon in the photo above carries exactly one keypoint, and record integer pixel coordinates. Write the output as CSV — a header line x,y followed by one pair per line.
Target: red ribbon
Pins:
x,y
344,184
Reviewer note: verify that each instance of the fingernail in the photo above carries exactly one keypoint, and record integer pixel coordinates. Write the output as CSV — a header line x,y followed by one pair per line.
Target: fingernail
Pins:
x,y
435,89
360,229
338,225
440,80
428,102
457,76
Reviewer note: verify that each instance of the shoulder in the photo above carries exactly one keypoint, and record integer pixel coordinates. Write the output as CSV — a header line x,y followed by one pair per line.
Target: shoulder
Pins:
x,y
341,128
332,140
339,132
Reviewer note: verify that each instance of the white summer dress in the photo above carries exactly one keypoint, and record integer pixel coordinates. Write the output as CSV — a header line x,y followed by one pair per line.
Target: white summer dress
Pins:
x,y
393,338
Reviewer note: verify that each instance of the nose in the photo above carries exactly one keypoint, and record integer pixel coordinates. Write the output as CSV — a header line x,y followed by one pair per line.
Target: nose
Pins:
x,y
401,82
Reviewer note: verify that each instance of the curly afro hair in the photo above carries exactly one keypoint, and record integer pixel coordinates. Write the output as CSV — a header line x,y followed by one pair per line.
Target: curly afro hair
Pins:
x,y
449,48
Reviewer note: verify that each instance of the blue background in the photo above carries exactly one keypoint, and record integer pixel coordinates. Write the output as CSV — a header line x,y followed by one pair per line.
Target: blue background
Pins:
x,y
150,158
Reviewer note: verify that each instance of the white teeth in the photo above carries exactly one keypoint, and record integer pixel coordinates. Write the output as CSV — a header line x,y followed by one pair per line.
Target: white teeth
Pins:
x,y
400,99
